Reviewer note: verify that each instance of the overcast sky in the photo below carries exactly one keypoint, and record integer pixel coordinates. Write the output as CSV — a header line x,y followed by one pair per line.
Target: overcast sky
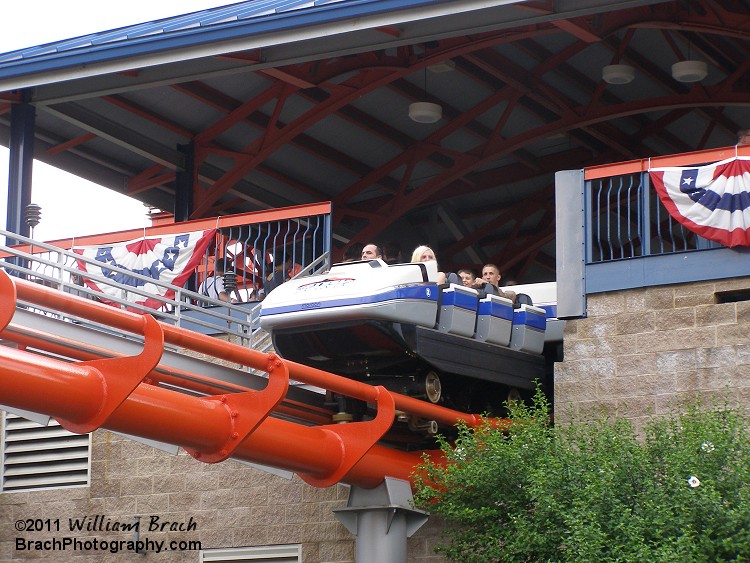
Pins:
x,y
70,205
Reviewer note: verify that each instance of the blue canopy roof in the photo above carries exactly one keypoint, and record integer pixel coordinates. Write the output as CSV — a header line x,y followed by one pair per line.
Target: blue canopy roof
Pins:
x,y
212,25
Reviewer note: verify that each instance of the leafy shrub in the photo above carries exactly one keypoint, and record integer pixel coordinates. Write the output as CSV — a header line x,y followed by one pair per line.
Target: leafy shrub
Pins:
x,y
593,490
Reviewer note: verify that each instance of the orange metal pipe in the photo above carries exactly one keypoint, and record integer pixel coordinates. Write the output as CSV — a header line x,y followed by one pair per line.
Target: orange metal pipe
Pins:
x,y
322,455
206,385
65,391
131,322
69,349
195,382
24,376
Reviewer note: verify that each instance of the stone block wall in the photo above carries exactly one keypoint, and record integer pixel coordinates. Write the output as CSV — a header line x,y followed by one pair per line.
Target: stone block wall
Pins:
x,y
642,352
229,505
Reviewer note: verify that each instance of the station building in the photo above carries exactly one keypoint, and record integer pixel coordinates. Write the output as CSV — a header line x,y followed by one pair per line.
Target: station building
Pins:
x,y
546,164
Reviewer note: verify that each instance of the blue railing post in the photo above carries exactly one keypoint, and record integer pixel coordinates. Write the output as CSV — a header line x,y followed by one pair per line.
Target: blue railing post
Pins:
x,y
645,214
589,221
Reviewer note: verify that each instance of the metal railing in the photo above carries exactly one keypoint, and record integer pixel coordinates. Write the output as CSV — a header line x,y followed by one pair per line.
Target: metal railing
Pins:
x,y
292,242
625,219
263,255
614,233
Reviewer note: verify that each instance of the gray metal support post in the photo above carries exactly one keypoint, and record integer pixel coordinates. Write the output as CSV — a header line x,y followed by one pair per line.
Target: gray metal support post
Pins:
x,y
22,124
382,519
570,243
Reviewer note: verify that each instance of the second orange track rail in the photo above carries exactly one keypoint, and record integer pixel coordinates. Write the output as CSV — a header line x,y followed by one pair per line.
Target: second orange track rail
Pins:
x,y
123,394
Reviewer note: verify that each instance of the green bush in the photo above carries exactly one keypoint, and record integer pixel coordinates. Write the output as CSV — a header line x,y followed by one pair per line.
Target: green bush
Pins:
x,y
593,490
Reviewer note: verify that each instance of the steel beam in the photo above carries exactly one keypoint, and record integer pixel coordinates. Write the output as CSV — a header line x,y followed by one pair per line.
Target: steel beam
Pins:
x,y
20,169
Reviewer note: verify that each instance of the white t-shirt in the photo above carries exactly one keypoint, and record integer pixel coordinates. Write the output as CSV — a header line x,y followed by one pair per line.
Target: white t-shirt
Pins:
x,y
212,287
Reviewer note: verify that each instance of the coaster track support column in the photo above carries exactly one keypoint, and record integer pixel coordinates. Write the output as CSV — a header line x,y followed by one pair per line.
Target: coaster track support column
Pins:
x,y
382,519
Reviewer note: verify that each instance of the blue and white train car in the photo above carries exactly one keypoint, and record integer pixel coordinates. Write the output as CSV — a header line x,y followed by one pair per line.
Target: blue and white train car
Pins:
x,y
395,326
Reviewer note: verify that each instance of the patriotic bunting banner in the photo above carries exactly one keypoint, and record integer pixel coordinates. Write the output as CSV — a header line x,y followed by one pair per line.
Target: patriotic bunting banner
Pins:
x,y
711,201
166,259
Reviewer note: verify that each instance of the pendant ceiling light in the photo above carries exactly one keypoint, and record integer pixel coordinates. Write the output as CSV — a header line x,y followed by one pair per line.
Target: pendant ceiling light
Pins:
x,y
425,112
618,74
689,71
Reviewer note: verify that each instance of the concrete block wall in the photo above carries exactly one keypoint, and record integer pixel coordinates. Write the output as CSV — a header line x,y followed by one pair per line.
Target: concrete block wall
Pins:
x,y
231,505
642,352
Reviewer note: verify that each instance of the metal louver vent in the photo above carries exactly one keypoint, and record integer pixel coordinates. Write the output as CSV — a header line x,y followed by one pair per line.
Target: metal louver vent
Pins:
x,y
260,554
42,457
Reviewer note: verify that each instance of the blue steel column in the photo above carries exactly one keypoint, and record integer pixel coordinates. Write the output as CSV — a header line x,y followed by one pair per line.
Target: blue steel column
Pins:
x,y
183,197
185,180
645,216
382,519
327,238
22,124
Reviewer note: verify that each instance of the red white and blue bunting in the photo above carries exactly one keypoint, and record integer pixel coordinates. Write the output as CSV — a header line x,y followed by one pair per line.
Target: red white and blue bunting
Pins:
x,y
167,259
712,201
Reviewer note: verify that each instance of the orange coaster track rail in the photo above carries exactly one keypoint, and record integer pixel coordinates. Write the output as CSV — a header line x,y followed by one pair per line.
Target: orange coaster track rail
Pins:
x,y
212,420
